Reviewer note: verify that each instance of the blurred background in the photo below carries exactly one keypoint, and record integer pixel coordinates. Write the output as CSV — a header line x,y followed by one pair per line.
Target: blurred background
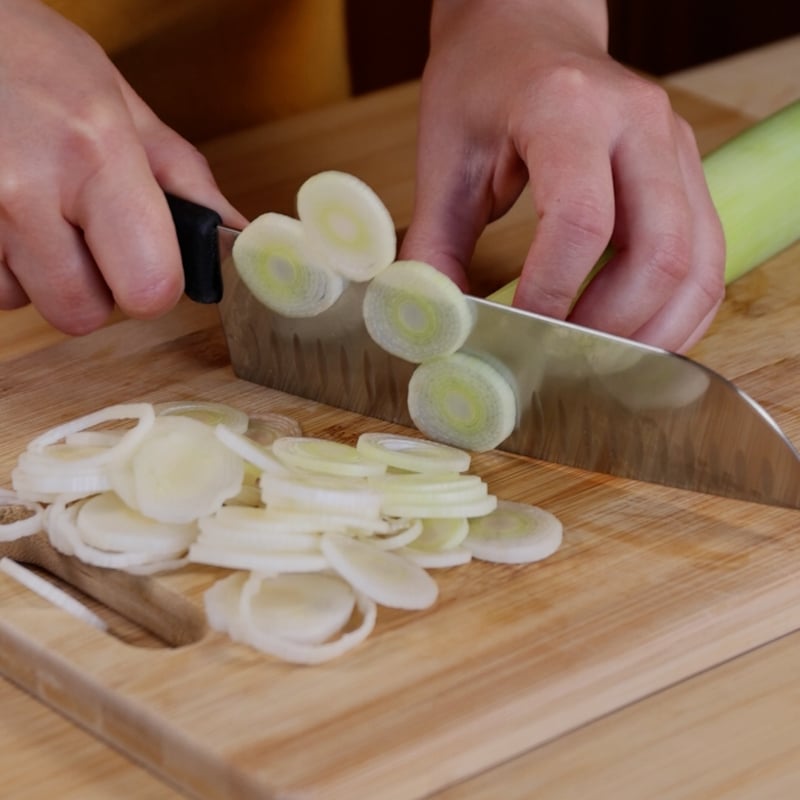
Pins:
x,y
655,36
209,67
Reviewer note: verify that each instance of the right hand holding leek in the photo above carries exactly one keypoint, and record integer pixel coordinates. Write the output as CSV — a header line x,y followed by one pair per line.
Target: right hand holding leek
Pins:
x,y
524,90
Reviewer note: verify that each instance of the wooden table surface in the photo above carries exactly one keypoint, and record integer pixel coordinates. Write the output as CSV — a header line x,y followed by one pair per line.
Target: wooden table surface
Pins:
x,y
729,732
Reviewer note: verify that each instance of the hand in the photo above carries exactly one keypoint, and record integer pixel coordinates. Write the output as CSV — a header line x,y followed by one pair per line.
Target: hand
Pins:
x,y
83,219
524,90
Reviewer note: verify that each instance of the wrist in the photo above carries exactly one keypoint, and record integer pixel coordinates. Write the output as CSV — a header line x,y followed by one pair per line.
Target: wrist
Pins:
x,y
583,20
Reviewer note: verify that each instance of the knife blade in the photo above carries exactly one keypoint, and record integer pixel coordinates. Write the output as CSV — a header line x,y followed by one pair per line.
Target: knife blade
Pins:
x,y
587,399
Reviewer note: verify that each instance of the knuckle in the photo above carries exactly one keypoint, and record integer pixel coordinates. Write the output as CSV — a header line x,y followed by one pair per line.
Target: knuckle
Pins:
x,y
15,194
151,298
176,157
652,100
583,221
95,134
711,283
669,259
566,82
76,313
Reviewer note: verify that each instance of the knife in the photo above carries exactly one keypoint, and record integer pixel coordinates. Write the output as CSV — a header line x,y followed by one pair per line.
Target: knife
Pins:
x,y
587,399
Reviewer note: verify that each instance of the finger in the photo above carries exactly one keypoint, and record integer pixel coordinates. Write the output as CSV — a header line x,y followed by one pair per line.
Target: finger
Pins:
x,y
652,236
452,202
177,166
12,295
126,224
51,265
573,194
682,321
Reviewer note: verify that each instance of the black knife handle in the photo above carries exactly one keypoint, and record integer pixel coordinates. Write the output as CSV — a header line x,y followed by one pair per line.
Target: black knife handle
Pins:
x,y
196,227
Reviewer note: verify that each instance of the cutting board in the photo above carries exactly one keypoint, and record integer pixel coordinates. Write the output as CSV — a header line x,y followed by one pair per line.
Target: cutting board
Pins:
x,y
651,585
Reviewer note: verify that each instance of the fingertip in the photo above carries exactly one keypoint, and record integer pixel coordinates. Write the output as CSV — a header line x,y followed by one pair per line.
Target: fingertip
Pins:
x,y
418,247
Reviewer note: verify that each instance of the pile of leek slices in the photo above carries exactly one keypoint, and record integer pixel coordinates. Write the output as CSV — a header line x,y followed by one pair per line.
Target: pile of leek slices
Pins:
x,y
315,533
343,233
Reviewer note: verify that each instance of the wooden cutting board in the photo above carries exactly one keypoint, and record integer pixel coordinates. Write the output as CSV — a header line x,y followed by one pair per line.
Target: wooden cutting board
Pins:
x,y
651,585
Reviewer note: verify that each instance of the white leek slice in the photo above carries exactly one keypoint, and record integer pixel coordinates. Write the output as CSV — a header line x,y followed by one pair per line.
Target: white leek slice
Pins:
x,y
442,559
432,510
303,608
416,312
325,456
246,629
252,452
221,602
143,413
259,529
394,541
441,534
273,258
427,483
463,401
290,521
105,522
50,592
468,494
208,412
65,536
256,559
412,454
46,487
93,438
516,533
182,471
19,518
324,493
387,578
347,224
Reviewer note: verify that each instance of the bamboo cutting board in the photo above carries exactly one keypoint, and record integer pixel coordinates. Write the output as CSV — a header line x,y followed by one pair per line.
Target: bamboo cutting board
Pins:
x,y
651,585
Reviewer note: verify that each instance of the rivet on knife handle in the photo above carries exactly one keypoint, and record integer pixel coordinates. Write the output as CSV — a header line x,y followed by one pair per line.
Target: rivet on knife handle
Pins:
x,y
196,227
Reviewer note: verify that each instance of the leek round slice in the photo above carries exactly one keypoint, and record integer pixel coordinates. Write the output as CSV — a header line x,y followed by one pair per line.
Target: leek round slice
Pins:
x,y
412,454
441,534
515,533
347,224
106,523
209,412
276,263
383,576
463,401
326,457
304,607
182,471
437,559
415,312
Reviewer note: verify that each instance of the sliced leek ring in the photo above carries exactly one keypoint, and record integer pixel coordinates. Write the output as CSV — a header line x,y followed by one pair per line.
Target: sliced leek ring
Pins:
x,y
326,457
516,533
463,401
415,312
277,264
412,454
347,224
